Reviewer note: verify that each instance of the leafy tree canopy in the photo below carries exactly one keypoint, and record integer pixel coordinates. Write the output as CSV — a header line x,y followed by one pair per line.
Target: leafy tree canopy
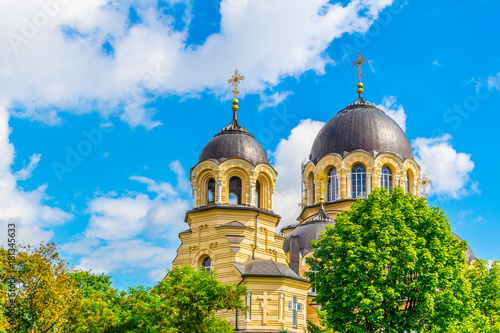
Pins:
x,y
485,280
53,297
392,264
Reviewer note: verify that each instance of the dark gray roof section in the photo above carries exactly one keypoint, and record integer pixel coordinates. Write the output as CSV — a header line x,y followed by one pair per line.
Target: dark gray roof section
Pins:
x,y
266,268
469,255
307,232
234,141
187,231
361,126
291,226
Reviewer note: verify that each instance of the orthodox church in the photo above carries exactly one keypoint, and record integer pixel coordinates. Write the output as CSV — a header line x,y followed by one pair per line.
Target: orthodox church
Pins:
x,y
232,223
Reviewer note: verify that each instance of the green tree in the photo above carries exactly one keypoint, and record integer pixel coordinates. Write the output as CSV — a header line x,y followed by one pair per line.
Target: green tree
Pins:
x,y
194,300
98,305
485,282
45,294
392,263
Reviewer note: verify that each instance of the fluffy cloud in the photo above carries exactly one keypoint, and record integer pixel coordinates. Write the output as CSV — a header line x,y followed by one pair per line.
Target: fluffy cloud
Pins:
x,y
494,82
394,110
82,55
123,230
28,209
288,156
27,172
270,101
449,170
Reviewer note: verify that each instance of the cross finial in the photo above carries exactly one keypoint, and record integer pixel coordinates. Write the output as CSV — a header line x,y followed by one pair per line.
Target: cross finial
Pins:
x,y
359,63
321,178
425,181
234,81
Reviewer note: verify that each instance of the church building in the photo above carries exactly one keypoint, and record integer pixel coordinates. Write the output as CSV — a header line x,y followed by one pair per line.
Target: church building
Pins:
x,y
232,225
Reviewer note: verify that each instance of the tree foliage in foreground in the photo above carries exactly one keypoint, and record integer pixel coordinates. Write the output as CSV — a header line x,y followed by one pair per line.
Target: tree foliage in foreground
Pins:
x,y
45,294
53,297
391,264
485,280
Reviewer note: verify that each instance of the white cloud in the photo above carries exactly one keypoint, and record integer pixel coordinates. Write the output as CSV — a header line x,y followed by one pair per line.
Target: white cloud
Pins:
x,y
394,110
122,230
121,258
27,172
449,170
270,101
288,156
494,82
54,59
436,63
28,209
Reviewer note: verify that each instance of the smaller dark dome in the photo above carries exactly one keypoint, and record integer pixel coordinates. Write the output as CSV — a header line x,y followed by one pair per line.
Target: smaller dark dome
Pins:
x,y
234,141
308,232
234,144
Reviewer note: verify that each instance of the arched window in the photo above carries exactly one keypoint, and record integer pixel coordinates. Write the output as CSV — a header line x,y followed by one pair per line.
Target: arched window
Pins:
x,y
386,180
359,181
211,192
207,264
408,186
235,191
257,194
333,185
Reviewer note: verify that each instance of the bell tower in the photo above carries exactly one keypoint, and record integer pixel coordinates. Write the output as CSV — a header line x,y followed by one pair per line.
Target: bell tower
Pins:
x,y
232,227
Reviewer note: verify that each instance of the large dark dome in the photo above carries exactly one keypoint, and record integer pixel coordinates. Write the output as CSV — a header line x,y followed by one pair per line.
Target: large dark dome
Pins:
x,y
361,126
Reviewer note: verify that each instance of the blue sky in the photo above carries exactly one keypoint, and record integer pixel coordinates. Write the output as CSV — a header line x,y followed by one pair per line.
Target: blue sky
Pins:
x,y
104,107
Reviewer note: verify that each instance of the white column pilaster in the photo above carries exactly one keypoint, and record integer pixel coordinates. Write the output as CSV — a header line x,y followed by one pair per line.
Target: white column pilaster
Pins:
x,y
349,183
252,193
368,183
195,196
280,310
249,305
338,187
219,192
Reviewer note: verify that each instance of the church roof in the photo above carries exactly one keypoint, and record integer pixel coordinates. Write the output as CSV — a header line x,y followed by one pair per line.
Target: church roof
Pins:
x,y
309,231
266,268
361,126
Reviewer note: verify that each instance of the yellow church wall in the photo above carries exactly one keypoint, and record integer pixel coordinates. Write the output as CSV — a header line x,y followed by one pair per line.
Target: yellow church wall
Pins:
x,y
265,292
226,245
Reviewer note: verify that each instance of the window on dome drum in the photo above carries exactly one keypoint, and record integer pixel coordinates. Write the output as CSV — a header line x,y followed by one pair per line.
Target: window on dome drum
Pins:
x,y
407,186
207,264
235,191
386,180
211,192
257,194
359,181
333,185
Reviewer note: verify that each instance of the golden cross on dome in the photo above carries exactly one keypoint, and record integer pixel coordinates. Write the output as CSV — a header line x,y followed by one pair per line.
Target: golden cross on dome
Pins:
x,y
234,81
359,63
321,178
425,181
